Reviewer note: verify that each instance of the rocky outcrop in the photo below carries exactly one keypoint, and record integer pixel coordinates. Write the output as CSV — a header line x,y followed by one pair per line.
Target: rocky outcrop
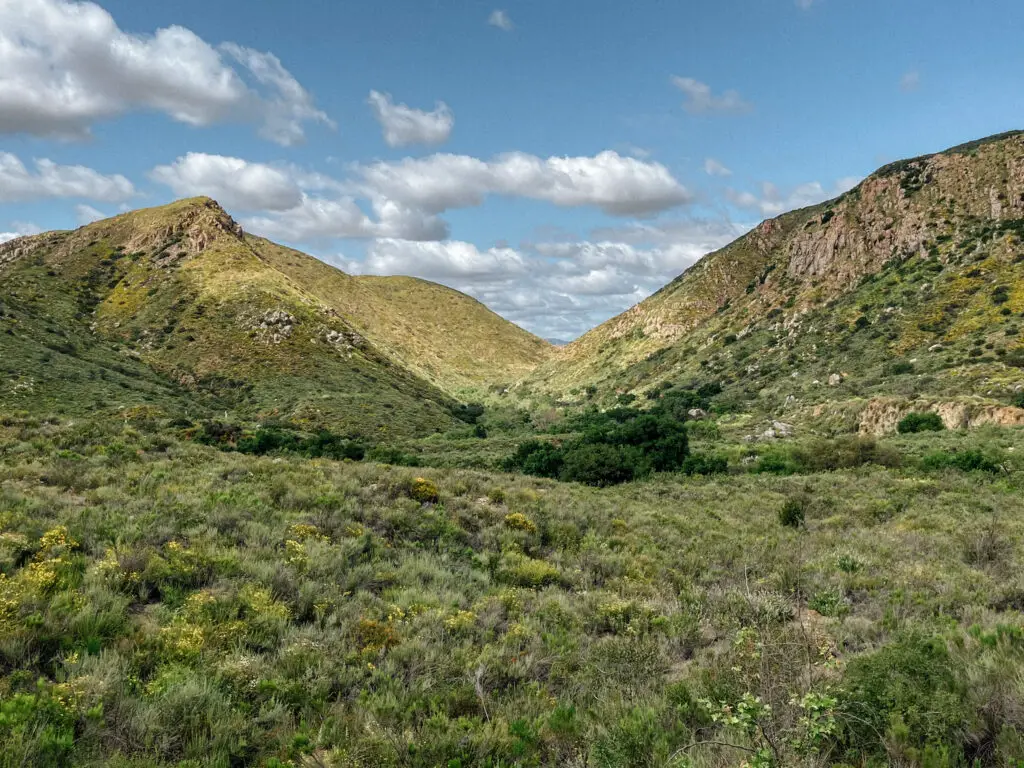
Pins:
x,y
14,249
882,415
275,325
195,230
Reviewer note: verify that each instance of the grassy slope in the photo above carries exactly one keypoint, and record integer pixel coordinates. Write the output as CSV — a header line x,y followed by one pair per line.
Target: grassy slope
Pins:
x,y
177,289
227,610
445,336
917,251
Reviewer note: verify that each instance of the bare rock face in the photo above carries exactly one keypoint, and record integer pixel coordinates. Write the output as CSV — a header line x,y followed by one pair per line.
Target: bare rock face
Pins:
x,y
887,217
14,249
882,415
191,234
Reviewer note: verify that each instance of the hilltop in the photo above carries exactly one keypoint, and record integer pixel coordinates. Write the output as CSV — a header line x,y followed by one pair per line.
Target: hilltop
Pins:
x,y
909,285
175,307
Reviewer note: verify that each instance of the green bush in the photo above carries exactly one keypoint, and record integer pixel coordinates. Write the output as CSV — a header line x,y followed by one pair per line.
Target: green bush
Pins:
x,y
907,692
920,422
389,454
899,367
614,446
600,464
793,512
966,461
704,464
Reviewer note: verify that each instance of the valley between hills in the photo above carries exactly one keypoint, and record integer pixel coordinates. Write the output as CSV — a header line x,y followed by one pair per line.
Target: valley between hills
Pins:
x,y
258,511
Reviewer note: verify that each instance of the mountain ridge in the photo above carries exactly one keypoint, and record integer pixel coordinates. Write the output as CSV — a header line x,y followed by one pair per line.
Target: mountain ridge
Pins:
x,y
904,259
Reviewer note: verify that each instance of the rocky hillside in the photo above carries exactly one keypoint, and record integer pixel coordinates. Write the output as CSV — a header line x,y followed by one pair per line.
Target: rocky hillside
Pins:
x,y
176,308
910,285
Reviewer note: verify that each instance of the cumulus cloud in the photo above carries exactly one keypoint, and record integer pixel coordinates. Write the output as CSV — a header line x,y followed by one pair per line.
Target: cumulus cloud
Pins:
x,y
617,185
402,125
714,168
66,65
50,180
910,81
701,100
772,201
404,199
501,20
234,182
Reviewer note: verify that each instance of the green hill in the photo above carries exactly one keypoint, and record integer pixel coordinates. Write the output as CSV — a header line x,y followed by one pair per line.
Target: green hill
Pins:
x,y
910,285
176,308
445,336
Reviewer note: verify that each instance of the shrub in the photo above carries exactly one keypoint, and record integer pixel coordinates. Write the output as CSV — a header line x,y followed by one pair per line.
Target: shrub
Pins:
x,y
907,690
920,422
599,464
965,461
899,367
389,454
525,571
469,414
537,458
704,464
517,521
793,512
1018,399
615,446
848,452
1015,357
424,491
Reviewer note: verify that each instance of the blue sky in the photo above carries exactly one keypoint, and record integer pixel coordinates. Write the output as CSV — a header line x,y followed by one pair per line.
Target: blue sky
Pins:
x,y
558,160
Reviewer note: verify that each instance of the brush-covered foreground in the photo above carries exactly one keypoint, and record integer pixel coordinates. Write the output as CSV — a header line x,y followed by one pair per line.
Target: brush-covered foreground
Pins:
x,y
165,603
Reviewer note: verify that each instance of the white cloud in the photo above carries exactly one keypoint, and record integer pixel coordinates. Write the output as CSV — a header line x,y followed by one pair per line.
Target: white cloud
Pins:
x,y
441,260
66,65
805,4
772,201
403,125
319,218
714,168
501,20
910,81
557,289
640,153
615,184
20,229
701,100
234,182
86,214
50,180
287,105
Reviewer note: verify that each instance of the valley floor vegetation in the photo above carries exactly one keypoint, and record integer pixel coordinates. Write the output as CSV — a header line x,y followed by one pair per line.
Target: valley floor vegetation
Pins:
x,y
843,602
